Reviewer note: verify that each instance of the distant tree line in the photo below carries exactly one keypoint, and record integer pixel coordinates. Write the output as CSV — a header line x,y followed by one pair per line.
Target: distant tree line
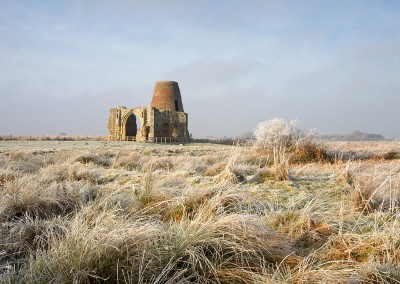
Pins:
x,y
354,136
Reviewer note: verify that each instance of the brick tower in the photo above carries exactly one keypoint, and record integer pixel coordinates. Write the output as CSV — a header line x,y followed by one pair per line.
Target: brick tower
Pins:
x,y
163,121
167,96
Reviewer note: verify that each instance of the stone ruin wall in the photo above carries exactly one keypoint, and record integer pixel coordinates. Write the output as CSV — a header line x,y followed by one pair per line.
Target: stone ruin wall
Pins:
x,y
170,124
123,122
164,119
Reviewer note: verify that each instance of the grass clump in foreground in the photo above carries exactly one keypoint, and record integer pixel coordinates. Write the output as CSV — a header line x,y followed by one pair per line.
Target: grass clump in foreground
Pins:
x,y
133,213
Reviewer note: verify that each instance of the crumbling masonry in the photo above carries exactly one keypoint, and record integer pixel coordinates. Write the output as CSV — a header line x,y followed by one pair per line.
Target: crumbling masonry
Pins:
x,y
163,121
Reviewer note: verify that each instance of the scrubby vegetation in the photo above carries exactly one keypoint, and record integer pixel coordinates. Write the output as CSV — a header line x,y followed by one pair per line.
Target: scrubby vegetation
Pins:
x,y
287,143
109,212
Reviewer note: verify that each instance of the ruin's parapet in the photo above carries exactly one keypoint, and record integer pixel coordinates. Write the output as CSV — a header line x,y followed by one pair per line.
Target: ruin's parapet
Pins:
x,y
165,117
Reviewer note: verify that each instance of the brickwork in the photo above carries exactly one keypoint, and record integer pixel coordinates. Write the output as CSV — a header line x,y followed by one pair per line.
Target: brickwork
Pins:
x,y
167,96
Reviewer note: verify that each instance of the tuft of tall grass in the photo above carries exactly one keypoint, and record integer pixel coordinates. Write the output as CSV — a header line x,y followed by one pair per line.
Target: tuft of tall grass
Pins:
x,y
233,171
7,175
101,242
302,218
309,152
208,244
24,162
99,158
310,271
379,192
382,247
129,161
26,196
281,163
162,163
391,155
99,245
24,236
374,272
262,175
215,169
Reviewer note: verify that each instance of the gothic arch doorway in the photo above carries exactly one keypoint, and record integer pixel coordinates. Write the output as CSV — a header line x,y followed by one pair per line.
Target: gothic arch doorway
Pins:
x,y
132,126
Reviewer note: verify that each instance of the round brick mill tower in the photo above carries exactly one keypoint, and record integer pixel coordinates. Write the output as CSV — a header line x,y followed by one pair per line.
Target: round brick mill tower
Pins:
x,y
167,96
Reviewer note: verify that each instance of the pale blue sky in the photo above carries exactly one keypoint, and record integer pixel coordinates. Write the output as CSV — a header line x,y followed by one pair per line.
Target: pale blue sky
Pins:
x,y
334,65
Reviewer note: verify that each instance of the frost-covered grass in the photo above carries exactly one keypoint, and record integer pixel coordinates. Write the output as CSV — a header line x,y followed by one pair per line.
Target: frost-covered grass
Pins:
x,y
94,212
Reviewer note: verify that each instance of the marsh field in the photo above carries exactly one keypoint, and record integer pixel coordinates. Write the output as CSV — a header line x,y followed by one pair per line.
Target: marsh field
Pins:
x,y
124,212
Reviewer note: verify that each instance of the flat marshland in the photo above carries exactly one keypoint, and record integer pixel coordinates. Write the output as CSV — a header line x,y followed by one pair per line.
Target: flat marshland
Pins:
x,y
124,212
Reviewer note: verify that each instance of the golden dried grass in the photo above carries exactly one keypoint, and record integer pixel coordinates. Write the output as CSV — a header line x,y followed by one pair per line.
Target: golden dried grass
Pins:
x,y
154,215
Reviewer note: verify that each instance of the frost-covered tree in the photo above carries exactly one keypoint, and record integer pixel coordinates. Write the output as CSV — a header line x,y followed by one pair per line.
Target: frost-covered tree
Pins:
x,y
275,133
279,136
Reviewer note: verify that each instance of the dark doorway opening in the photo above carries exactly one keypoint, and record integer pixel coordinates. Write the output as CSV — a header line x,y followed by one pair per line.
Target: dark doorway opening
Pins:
x,y
165,130
176,105
146,132
131,126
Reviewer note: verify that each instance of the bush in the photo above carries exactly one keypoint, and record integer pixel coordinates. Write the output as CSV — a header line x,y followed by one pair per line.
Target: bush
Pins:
x,y
280,138
276,133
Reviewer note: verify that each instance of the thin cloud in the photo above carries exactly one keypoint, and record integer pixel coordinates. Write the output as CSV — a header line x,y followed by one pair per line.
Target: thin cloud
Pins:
x,y
332,65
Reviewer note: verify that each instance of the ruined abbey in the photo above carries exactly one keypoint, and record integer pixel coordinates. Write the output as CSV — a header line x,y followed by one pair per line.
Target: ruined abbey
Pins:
x,y
163,121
